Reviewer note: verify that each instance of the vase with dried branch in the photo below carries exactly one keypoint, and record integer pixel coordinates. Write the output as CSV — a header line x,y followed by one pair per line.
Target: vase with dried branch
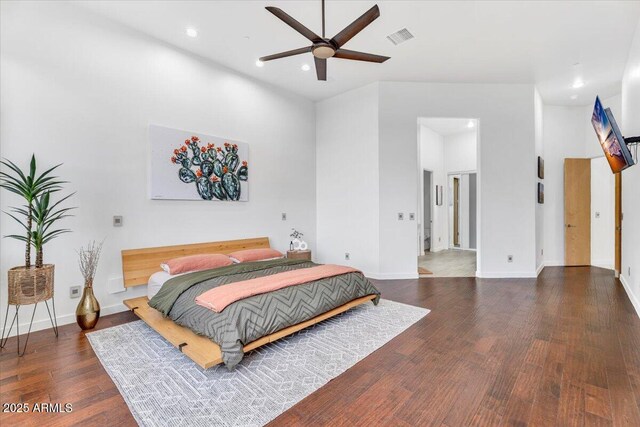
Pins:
x,y
88,310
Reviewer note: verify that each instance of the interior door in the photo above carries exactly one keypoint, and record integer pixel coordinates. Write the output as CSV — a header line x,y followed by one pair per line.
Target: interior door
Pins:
x,y
618,223
456,211
577,212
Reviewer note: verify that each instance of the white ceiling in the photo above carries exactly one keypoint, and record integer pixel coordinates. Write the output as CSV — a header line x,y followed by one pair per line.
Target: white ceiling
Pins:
x,y
456,41
445,127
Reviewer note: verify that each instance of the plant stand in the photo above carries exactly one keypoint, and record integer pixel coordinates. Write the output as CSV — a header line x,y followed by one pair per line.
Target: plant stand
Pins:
x,y
29,286
3,339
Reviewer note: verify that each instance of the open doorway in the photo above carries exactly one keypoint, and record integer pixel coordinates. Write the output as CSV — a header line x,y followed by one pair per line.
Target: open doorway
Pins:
x,y
448,225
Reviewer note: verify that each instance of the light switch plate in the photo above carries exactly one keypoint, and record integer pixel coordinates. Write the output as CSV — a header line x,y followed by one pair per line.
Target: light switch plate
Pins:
x,y
400,216
284,216
74,292
412,216
117,221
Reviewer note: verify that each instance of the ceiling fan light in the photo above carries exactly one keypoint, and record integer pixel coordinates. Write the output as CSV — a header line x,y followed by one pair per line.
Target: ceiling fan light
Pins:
x,y
323,51
305,67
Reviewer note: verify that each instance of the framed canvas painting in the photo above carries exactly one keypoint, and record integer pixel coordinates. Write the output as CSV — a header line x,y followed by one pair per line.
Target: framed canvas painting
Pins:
x,y
540,193
540,167
193,166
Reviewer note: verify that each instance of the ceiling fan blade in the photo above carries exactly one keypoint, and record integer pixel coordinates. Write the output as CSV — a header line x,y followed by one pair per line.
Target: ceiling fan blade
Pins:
x,y
285,54
356,26
321,68
359,56
290,21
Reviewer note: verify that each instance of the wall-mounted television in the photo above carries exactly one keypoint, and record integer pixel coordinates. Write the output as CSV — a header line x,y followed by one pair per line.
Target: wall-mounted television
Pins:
x,y
610,138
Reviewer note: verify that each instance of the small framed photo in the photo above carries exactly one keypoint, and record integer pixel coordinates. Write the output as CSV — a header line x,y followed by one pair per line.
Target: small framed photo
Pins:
x,y
540,193
540,167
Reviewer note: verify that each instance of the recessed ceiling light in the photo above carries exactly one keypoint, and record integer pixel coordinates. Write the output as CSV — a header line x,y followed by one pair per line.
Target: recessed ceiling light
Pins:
x,y
574,96
578,83
470,124
259,63
305,67
192,32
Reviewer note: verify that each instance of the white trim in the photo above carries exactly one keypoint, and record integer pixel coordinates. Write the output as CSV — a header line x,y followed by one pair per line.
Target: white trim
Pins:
x,y
634,300
602,263
65,319
392,276
555,263
540,268
506,274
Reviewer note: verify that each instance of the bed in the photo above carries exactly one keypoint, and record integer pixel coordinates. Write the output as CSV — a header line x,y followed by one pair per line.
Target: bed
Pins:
x,y
210,338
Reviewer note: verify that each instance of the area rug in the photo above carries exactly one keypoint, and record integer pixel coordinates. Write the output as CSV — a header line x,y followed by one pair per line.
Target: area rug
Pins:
x,y
165,388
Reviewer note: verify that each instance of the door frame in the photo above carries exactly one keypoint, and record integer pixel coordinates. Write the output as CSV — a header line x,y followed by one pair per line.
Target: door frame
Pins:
x,y
421,248
477,171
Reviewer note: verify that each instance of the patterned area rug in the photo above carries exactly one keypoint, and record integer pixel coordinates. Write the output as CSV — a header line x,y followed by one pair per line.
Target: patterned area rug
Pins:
x,y
165,388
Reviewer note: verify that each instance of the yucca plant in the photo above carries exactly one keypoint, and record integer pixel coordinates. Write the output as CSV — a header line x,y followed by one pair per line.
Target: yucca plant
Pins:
x,y
32,188
45,215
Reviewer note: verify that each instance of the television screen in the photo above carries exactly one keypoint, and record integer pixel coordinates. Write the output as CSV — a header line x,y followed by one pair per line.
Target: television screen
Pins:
x,y
611,140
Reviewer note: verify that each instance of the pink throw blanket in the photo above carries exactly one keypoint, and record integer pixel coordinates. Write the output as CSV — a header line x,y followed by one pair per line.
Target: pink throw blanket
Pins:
x,y
218,298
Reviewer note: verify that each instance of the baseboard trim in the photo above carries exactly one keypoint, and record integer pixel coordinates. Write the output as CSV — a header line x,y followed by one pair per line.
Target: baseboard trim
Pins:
x,y
506,275
553,263
539,269
65,319
632,297
392,276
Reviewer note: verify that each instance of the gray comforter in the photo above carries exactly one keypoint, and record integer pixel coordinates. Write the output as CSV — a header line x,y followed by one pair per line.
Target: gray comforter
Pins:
x,y
252,318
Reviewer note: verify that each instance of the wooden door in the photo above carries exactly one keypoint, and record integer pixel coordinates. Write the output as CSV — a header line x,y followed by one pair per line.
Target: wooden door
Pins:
x,y
618,221
577,212
456,211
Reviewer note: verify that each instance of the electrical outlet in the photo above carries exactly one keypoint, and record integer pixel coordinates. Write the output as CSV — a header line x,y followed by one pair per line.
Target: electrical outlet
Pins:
x,y
629,272
284,216
74,292
400,216
412,216
439,239
347,256
541,251
509,258
117,221
597,214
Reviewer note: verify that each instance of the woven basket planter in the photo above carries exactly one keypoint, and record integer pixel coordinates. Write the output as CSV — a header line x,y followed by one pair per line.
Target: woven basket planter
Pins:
x,y
30,285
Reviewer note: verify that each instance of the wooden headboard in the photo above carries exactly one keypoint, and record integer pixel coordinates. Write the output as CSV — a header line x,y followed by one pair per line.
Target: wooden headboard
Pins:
x,y
139,264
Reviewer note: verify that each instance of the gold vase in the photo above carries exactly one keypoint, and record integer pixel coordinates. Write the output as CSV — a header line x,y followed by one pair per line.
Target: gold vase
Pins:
x,y
88,310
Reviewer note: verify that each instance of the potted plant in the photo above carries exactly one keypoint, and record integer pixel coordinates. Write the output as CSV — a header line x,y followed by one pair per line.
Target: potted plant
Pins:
x,y
31,284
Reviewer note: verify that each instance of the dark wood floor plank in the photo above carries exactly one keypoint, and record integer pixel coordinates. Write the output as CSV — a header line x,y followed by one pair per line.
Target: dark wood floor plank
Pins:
x,y
563,349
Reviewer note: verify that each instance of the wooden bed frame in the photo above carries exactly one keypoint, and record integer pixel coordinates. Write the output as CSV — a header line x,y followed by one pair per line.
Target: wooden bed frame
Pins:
x,y
139,264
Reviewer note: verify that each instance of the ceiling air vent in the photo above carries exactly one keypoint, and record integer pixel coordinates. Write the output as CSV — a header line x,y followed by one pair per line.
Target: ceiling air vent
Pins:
x,y
400,36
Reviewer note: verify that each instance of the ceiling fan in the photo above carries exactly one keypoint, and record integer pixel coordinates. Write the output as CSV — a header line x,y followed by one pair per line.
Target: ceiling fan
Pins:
x,y
323,48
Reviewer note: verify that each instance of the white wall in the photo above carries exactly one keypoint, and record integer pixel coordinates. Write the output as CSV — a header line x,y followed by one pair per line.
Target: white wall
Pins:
x,y
567,133
630,126
602,214
461,152
81,90
506,149
540,207
347,181
564,135
432,158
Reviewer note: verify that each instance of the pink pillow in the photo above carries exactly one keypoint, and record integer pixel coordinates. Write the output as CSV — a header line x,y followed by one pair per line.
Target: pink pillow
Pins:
x,y
189,263
255,255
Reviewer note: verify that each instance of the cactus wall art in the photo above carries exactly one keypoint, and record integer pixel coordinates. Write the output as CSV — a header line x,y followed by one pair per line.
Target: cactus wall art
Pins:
x,y
193,166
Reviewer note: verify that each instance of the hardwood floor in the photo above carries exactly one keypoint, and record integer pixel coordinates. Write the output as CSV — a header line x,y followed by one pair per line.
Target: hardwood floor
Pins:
x,y
560,350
